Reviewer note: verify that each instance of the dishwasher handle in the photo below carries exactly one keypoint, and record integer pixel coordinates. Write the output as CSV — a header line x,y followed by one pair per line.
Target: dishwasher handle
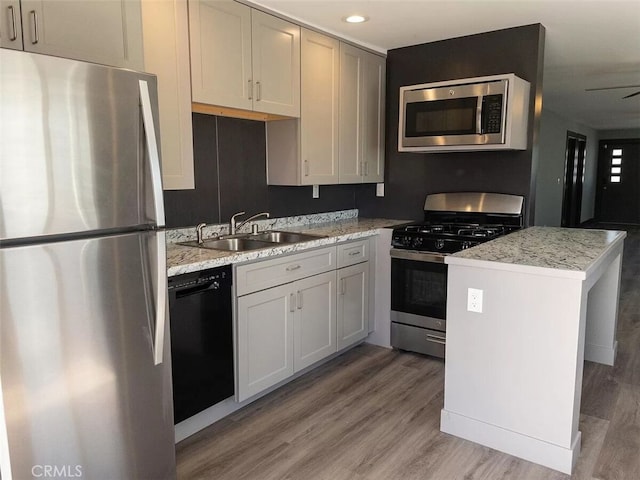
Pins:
x,y
183,291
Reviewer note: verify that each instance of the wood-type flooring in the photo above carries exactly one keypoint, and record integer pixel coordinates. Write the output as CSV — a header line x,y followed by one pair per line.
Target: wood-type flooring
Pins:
x,y
374,413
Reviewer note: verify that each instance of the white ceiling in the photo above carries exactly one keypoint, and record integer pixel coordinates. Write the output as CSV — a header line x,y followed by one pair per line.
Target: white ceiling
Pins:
x,y
589,43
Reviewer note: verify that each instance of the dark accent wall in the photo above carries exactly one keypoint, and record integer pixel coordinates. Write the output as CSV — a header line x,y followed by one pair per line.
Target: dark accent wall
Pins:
x,y
409,177
230,176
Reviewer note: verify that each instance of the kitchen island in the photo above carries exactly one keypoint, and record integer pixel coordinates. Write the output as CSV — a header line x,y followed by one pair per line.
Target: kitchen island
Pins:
x,y
548,301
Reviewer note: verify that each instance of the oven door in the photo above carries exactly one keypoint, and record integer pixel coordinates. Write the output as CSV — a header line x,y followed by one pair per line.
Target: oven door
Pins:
x,y
418,289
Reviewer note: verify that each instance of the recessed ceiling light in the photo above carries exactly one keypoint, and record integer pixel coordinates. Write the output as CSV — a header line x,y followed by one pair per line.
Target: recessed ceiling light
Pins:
x,y
355,19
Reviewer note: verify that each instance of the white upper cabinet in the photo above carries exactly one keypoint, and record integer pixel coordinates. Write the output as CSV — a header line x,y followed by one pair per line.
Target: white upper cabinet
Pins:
x,y
166,54
243,58
304,151
220,39
362,87
10,24
276,65
319,111
106,32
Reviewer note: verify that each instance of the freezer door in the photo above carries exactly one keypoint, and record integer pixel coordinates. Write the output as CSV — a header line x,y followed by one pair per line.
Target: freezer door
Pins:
x,y
74,155
82,391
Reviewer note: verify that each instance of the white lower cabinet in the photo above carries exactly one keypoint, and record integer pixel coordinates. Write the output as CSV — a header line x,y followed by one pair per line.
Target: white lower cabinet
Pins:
x,y
353,304
295,310
314,324
265,339
284,328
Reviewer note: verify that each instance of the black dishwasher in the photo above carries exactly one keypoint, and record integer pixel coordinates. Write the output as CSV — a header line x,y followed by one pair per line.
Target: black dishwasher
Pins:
x,y
201,340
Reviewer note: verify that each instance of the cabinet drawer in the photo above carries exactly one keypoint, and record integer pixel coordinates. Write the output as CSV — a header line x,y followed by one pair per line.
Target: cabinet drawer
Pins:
x,y
353,252
280,270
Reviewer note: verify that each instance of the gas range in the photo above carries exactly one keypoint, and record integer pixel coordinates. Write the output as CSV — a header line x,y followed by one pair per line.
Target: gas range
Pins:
x,y
445,238
452,222
457,221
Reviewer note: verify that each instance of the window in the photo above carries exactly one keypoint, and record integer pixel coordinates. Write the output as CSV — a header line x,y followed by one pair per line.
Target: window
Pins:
x,y
616,166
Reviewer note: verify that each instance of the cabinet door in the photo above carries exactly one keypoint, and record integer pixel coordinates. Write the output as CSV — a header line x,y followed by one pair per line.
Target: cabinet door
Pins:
x,y
319,109
166,54
10,24
276,65
265,339
109,33
315,321
372,120
362,97
220,40
351,88
353,304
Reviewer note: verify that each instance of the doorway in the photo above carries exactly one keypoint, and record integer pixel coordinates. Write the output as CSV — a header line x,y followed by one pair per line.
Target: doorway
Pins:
x,y
573,179
618,183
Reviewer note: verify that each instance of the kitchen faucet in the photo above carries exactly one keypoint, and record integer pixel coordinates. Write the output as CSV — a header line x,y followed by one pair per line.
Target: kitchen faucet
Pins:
x,y
199,228
233,227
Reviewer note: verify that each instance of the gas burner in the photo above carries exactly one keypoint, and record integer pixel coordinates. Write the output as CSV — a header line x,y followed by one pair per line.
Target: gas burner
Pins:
x,y
456,221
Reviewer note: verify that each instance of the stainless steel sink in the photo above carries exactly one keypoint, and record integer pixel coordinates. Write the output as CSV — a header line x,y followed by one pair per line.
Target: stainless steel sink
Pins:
x,y
285,237
245,241
231,244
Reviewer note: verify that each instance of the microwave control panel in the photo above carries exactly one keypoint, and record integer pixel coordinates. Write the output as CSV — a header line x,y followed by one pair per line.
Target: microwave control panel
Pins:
x,y
492,113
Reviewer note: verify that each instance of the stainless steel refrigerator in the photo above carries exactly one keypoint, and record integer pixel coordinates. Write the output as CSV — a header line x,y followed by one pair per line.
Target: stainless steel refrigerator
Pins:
x,y
85,360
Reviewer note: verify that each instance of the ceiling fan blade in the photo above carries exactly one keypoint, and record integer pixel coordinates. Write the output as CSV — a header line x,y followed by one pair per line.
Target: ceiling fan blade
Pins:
x,y
610,88
632,95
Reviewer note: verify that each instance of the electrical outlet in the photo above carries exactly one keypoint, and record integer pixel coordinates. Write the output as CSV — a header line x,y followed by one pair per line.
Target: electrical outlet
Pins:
x,y
379,189
474,300
316,191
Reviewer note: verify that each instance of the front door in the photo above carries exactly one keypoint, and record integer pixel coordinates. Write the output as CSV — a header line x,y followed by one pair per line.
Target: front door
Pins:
x,y
617,197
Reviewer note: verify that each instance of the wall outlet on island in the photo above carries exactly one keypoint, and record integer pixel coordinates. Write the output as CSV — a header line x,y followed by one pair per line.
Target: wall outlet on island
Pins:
x,y
379,189
474,300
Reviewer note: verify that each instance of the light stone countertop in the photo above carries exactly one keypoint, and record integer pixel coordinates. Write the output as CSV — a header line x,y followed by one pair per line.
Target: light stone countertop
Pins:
x,y
573,251
183,259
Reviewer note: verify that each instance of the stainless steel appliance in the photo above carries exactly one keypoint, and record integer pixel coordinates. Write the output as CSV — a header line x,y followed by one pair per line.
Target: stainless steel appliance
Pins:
x,y
482,113
85,360
201,340
452,222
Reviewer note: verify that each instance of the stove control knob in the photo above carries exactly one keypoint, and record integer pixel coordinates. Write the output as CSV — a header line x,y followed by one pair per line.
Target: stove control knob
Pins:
x,y
466,245
417,242
439,244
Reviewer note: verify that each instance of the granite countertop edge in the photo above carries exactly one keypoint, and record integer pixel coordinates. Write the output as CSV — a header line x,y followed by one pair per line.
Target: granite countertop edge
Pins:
x,y
183,259
553,251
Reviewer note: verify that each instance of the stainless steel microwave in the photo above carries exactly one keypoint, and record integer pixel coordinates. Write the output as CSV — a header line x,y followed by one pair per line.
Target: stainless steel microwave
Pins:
x,y
482,113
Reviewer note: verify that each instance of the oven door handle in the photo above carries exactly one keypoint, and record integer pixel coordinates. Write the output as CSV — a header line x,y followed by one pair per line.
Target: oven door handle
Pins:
x,y
418,256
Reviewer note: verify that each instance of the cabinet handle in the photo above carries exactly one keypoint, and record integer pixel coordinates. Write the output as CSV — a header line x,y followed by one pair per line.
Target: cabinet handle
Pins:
x,y
291,268
258,91
352,254
250,89
306,168
299,300
12,23
34,27
292,303
343,286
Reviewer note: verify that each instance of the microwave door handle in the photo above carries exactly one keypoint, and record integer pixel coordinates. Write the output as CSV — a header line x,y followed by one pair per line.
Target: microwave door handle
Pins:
x,y
480,115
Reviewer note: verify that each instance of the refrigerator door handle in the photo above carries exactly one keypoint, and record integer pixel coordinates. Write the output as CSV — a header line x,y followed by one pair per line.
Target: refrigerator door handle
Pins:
x,y
152,148
161,298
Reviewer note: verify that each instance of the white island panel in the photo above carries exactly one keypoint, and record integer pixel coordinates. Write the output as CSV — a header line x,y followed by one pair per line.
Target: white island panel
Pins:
x,y
513,373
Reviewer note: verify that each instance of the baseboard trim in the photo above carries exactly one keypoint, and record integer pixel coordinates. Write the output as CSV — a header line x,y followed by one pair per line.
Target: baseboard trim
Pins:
x,y
600,354
513,443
